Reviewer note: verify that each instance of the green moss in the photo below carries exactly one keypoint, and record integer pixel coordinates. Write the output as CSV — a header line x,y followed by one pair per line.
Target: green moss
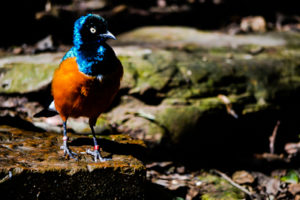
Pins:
x,y
148,72
175,101
183,92
179,120
194,71
292,38
25,77
155,133
130,74
219,188
207,104
197,73
221,50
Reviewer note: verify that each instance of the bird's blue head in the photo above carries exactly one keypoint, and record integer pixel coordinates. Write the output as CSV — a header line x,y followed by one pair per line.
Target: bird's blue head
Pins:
x,y
91,29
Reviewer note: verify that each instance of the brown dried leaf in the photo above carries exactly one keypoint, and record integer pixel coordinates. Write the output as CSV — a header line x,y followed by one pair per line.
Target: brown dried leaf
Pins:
x,y
175,184
180,170
193,192
164,183
278,173
159,164
253,23
242,177
294,188
271,185
292,148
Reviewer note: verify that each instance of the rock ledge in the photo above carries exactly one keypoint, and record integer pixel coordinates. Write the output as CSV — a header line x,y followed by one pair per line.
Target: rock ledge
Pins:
x,y
33,167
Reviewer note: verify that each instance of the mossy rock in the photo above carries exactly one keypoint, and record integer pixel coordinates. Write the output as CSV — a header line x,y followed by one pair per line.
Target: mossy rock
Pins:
x,y
168,36
180,121
32,166
177,74
21,74
262,76
21,78
150,71
199,73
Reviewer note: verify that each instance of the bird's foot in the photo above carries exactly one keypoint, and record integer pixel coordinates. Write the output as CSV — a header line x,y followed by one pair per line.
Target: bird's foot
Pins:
x,y
96,154
68,151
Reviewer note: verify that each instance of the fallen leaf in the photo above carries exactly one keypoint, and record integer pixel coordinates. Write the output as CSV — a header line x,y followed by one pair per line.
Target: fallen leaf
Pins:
x,y
292,148
277,173
164,183
242,177
294,188
253,23
271,185
180,170
159,164
193,192
291,177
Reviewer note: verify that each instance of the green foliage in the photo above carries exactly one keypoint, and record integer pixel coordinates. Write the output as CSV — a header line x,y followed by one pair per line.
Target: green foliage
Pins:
x,y
178,198
291,177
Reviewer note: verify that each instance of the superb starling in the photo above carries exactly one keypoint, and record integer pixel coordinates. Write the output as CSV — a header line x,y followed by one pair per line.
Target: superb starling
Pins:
x,y
88,77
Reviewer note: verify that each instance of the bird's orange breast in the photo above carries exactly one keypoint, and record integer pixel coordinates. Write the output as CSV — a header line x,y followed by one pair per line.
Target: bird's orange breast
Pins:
x,y
76,94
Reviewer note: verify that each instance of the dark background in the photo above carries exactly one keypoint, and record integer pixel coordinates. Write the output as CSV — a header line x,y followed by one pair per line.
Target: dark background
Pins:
x,y
28,21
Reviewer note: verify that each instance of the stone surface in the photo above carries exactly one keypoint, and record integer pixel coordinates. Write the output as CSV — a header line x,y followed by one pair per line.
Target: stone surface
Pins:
x,y
33,166
174,77
167,36
23,74
183,70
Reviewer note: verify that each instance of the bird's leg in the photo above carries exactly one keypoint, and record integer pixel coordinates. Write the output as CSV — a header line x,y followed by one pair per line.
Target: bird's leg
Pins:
x,y
96,152
65,144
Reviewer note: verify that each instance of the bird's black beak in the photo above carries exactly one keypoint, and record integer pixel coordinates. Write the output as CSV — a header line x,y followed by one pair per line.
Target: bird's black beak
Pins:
x,y
108,35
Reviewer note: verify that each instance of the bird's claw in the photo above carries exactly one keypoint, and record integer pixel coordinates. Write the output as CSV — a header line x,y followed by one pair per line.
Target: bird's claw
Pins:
x,y
68,152
97,155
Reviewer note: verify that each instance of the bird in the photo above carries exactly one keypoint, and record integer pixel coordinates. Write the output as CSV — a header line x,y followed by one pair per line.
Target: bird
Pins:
x,y
87,79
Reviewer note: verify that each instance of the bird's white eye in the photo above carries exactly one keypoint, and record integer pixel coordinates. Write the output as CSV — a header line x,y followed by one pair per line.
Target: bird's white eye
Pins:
x,y
93,30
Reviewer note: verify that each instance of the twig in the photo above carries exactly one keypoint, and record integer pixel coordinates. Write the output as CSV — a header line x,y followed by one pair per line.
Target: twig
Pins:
x,y
228,105
273,137
227,178
7,177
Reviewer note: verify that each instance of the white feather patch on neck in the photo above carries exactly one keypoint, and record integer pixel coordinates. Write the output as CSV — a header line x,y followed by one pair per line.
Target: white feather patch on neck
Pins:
x,y
100,77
